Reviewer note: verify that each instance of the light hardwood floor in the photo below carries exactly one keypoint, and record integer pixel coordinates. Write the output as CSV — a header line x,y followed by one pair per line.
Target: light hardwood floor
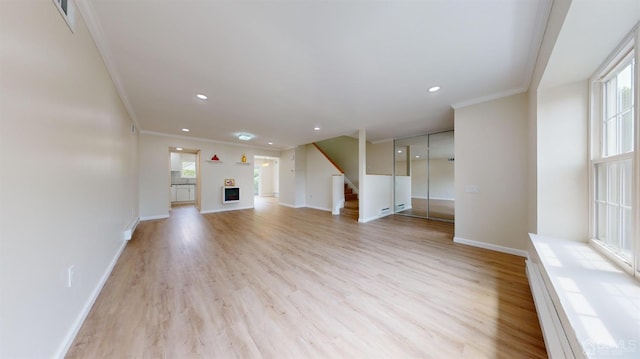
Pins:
x,y
440,209
277,282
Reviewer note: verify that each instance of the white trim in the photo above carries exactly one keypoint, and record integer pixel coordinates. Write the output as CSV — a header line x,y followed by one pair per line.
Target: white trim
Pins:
x,y
218,210
128,232
611,256
369,219
540,25
291,205
95,30
151,218
493,247
319,208
75,328
483,99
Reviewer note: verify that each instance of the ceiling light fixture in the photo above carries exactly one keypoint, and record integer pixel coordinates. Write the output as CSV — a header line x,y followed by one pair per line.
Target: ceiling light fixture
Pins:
x,y
185,130
417,156
317,128
399,151
434,89
244,137
201,96
271,143
178,148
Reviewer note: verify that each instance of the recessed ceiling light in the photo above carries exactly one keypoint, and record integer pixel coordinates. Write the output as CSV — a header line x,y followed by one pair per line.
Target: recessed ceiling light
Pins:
x,y
185,130
244,137
178,148
399,151
271,143
434,89
201,96
317,128
417,156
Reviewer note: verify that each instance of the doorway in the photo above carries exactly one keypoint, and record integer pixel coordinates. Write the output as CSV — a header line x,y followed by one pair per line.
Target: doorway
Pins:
x,y
424,176
184,177
266,176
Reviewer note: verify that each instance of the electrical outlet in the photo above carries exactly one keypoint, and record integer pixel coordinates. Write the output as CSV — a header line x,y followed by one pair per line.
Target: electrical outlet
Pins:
x,y
71,273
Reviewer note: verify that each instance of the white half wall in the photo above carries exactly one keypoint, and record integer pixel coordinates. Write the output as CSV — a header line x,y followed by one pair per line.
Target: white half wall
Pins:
x,y
378,200
491,156
563,179
68,178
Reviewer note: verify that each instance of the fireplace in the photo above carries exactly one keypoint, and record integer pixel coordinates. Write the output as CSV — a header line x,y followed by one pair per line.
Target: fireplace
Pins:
x,y
230,194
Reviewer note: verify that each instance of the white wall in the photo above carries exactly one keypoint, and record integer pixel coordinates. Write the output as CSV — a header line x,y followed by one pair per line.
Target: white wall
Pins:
x,y
154,173
441,179
563,206
288,178
380,158
300,176
343,151
559,10
68,172
377,196
491,153
319,186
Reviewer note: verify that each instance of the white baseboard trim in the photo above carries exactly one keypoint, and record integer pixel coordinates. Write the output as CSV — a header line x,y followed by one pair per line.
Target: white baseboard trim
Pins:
x,y
319,208
150,218
369,219
218,210
128,232
442,199
291,205
493,247
75,328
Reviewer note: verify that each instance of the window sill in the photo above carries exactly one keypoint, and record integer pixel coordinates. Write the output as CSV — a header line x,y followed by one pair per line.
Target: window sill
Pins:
x,y
597,304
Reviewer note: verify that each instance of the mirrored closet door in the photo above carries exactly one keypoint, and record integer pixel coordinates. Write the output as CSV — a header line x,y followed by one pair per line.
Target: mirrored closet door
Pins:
x,y
424,176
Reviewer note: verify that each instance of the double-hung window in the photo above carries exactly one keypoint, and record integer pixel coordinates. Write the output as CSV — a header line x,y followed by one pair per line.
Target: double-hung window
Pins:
x,y
614,166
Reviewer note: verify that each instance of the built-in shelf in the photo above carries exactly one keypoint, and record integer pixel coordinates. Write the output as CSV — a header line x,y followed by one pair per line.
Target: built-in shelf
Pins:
x,y
243,163
213,161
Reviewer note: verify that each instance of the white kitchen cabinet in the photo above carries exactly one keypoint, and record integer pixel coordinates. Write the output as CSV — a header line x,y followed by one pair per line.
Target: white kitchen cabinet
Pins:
x,y
176,163
185,193
173,193
182,193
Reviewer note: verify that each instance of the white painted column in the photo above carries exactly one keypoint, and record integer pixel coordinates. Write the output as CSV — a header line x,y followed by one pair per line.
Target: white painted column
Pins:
x,y
362,172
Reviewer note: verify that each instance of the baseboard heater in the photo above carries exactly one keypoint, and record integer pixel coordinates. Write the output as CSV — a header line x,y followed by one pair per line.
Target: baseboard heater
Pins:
x,y
555,337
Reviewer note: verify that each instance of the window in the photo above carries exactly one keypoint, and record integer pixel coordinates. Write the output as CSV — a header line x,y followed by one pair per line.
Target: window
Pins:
x,y
67,11
188,169
614,121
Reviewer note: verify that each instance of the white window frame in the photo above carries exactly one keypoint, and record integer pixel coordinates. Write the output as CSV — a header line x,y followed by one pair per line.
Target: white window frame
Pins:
x,y
613,64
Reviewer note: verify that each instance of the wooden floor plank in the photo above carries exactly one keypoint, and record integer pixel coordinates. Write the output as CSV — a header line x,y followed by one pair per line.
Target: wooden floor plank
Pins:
x,y
277,282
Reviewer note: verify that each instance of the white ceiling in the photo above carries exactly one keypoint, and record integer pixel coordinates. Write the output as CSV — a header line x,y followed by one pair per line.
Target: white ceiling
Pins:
x,y
591,31
276,69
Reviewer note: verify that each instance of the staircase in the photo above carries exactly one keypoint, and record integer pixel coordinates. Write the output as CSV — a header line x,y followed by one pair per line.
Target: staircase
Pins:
x,y
350,203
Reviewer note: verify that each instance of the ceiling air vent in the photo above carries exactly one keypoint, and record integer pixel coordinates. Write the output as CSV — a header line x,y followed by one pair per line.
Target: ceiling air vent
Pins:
x,y
67,10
